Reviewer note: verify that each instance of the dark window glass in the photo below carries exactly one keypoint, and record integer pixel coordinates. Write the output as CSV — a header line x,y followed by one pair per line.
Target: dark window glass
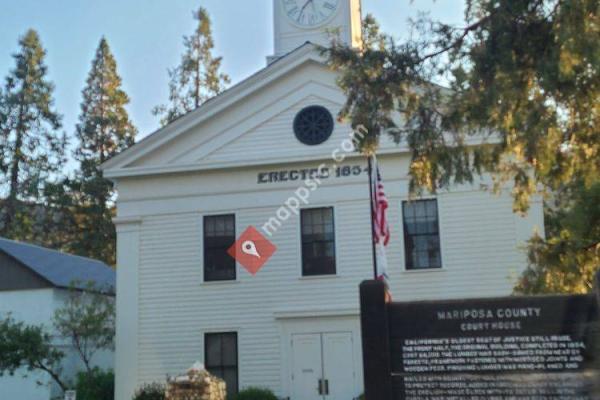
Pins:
x,y
219,236
313,125
421,234
318,242
221,358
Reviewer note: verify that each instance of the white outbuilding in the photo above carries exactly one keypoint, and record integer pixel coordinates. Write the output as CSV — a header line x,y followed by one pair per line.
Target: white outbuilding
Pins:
x,y
34,283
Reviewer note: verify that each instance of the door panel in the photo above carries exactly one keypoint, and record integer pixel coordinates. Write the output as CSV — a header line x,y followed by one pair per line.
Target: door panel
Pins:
x,y
307,367
338,361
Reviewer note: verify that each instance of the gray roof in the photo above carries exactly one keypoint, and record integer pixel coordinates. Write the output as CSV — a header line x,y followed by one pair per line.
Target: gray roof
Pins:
x,y
60,269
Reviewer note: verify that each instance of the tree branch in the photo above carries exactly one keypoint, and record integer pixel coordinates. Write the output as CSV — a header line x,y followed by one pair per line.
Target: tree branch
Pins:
x,y
459,41
53,374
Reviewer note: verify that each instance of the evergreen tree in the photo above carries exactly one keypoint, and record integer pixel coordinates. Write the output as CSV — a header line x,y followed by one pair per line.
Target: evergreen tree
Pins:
x,y
197,78
104,129
523,103
31,149
567,260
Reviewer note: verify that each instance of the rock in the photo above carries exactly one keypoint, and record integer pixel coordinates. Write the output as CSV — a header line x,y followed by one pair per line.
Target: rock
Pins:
x,y
197,384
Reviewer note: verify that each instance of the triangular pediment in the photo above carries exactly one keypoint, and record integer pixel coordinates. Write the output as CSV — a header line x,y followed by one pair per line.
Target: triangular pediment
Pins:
x,y
249,124
269,135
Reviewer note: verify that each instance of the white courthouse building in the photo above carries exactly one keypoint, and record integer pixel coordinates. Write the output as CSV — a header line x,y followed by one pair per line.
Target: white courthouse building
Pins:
x,y
190,189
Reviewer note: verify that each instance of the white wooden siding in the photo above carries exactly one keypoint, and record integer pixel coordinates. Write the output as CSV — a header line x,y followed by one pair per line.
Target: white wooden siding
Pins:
x,y
479,255
275,138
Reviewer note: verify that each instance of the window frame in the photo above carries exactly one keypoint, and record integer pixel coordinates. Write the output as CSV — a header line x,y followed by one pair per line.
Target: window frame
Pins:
x,y
205,248
407,256
223,367
303,274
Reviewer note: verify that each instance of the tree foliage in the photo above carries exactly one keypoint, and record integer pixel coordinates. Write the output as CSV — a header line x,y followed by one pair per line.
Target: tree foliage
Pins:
x,y
95,385
567,261
29,347
197,78
87,322
104,129
150,391
255,393
31,149
523,102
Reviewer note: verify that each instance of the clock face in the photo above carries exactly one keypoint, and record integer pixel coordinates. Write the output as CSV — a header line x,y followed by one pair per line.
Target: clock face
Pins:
x,y
310,13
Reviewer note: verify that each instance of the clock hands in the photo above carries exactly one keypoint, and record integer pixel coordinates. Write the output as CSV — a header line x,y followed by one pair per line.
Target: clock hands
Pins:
x,y
321,11
304,8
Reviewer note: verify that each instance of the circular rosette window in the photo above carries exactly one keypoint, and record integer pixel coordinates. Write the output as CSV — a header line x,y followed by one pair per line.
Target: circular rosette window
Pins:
x,y
313,125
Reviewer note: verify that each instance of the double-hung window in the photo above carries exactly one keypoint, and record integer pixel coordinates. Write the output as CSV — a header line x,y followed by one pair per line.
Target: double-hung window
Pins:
x,y
219,236
221,358
318,241
421,235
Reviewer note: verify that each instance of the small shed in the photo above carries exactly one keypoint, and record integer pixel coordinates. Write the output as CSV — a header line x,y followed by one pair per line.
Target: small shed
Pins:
x,y
34,283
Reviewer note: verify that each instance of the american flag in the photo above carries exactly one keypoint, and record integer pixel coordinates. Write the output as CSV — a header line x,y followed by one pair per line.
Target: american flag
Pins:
x,y
381,229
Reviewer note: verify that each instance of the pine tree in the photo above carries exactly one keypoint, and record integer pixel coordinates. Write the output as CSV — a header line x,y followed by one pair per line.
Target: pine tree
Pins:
x,y
31,149
567,259
104,129
197,78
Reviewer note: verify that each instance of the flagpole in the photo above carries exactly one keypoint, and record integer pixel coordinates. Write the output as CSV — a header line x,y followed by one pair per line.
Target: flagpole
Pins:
x,y
371,194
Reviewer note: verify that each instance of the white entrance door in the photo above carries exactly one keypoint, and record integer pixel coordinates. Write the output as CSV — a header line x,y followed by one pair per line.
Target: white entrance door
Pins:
x,y
307,368
322,366
338,363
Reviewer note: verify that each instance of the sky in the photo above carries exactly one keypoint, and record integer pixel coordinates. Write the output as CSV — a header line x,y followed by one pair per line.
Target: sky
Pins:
x,y
146,39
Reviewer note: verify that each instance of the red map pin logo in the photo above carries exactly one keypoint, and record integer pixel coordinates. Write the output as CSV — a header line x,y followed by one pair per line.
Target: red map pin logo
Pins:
x,y
252,250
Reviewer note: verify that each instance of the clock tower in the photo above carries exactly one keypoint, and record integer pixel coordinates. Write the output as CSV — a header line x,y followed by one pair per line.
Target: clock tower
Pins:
x,y
300,21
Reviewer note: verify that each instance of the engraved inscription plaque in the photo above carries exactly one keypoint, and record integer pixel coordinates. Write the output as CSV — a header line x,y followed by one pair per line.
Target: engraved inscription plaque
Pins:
x,y
505,348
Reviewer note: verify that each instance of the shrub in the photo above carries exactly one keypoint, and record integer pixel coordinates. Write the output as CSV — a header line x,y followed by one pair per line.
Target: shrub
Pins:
x,y
151,391
95,385
255,394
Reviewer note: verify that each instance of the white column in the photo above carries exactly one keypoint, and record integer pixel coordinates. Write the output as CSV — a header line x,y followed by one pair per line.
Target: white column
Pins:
x,y
128,259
